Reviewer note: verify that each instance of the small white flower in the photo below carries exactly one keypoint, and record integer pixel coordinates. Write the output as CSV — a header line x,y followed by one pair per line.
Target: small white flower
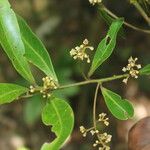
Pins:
x,y
125,80
79,52
94,145
92,132
106,138
32,89
93,2
83,131
104,119
132,68
49,84
124,69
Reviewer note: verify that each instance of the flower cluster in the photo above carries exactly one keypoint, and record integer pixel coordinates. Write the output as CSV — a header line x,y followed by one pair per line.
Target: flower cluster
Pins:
x,y
132,68
83,130
102,139
49,84
94,132
79,52
32,89
93,2
103,118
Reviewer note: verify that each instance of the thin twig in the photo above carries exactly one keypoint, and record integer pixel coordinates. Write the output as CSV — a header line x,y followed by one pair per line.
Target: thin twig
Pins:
x,y
102,6
39,88
140,9
94,106
115,77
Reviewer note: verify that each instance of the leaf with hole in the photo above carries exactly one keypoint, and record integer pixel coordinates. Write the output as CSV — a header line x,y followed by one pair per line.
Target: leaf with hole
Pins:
x,y
106,46
11,41
120,108
145,70
35,51
10,92
58,114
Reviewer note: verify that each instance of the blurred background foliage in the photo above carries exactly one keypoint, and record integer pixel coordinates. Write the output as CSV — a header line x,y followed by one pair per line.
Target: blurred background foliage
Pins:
x,y
62,25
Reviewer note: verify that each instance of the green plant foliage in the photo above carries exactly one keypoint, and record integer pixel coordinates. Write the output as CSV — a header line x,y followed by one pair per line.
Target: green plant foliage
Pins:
x,y
4,3
106,46
10,92
59,115
108,19
121,108
35,51
11,41
23,46
145,70
32,109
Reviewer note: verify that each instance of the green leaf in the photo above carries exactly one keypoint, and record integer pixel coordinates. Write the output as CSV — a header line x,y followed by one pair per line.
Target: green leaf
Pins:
x,y
4,3
58,114
121,108
32,109
11,41
106,46
145,70
35,51
10,92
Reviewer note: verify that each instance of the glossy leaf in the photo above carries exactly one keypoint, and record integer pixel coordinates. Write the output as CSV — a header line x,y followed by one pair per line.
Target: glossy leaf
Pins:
x,y
106,46
11,41
121,108
145,70
35,51
10,92
58,114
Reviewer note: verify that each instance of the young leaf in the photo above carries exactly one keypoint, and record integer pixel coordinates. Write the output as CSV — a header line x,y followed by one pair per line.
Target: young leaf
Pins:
x,y
11,41
10,92
59,115
35,51
121,108
145,70
106,46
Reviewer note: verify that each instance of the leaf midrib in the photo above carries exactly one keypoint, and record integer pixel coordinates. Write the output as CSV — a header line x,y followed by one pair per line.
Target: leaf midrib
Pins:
x,y
10,92
116,103
24,70
104,51
59,118
37,55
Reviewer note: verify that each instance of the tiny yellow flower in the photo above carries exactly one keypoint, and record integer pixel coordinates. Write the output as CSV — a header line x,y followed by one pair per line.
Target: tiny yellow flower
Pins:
x,y
32,89
83,131
93,2
132,68
79,52
49,84
104,119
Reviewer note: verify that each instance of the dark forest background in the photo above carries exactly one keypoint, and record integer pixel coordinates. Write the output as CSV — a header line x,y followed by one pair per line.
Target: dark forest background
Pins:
x,y
61,25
